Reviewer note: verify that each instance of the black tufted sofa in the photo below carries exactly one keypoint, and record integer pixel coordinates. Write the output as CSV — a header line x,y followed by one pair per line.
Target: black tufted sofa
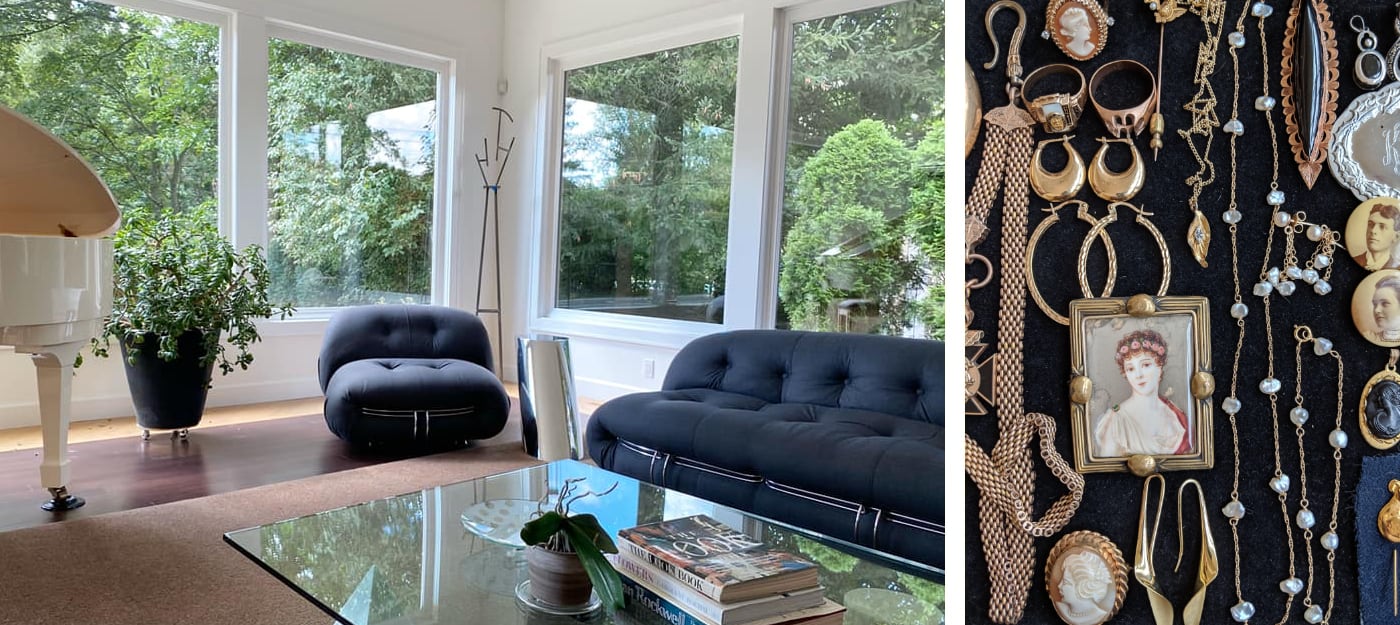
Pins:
x,y
406,374
838,433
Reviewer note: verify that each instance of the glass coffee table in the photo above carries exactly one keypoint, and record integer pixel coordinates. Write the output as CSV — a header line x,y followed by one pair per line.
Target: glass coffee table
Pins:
x,y
449,554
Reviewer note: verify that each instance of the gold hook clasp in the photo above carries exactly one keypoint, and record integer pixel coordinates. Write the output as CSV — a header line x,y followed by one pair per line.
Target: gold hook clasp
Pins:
x,y
1302,334
1013,53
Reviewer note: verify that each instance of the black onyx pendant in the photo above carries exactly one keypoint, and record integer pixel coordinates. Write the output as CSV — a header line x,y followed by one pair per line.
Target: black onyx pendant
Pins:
x,y
1310,76
1380,407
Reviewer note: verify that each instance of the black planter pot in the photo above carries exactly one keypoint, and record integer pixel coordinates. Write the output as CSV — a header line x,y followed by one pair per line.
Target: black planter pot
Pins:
x,y
169,395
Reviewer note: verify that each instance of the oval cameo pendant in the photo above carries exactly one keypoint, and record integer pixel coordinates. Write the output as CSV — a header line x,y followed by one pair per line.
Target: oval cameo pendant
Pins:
x,y
1375,308
1078,27
1373,234
1365,151
1086,578
1380,407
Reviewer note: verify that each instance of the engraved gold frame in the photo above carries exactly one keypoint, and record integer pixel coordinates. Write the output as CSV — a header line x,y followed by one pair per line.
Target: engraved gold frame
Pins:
x,y
1202,382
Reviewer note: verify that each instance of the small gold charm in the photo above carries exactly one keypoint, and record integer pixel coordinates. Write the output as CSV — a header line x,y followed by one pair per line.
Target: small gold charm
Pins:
x,y
1087,578
1198,236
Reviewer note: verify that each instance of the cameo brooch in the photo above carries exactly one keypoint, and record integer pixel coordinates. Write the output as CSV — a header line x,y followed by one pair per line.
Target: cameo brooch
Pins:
x,y
1079,28
1087,578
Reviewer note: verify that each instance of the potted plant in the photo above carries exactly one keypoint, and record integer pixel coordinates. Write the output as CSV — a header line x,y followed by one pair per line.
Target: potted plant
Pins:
x,y
179,287
565,554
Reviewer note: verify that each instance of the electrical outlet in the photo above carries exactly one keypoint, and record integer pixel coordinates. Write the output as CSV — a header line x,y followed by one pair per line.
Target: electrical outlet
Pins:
x,y
648,368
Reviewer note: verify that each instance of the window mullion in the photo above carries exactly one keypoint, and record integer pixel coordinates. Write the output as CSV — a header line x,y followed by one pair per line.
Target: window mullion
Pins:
x,y
247,209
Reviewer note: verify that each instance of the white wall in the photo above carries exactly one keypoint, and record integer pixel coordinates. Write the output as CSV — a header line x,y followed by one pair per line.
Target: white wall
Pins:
x,y
465,31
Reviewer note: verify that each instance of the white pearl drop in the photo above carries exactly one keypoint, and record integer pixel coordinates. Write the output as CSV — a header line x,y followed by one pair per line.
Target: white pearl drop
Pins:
x,y
1310,276
1242,612
1338,439
1322,346
1261,10
1263,289
1264,103
1293,272
1330,541
1239,310
1322,261
1313,614
1286,288
1230,405
1315,232
1232,216
1276,198
1298,415
1236,39
1322,287
1305,519
1280,484
1272,275
1291,586
1234,127
1282,218
1269,386
1234,509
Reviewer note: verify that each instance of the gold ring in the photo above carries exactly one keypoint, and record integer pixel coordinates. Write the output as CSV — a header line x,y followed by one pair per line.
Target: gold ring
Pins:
x,y
1056,112
1040,229
1098,229
1132,119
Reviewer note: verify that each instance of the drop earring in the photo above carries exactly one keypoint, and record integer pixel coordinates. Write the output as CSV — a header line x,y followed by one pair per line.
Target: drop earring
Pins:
x,y
1370,68
1116,186
1057,186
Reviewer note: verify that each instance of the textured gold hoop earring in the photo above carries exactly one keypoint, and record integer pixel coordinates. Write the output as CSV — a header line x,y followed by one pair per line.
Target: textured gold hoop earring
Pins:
x,y
1060,185
1098,229
1083,215
1116,186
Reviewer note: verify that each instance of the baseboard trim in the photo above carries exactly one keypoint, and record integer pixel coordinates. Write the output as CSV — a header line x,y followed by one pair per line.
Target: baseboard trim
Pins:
x,y
119,405
603,390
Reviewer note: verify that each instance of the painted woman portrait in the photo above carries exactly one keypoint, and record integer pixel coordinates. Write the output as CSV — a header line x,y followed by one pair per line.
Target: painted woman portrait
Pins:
x,y
1144,422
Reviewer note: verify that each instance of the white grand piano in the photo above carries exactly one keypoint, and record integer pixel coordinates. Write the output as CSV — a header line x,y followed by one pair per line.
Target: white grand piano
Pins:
x,y
55,273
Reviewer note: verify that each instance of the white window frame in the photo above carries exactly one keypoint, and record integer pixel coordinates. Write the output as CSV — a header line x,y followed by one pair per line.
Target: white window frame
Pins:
x,y
253,215
555,60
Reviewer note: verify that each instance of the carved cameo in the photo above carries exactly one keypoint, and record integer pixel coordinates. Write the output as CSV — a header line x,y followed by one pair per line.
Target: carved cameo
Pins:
x,y
1380,409
1078,27
1086,578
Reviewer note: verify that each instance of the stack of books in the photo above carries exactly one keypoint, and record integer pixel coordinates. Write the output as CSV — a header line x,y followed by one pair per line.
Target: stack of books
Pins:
x,y
698,571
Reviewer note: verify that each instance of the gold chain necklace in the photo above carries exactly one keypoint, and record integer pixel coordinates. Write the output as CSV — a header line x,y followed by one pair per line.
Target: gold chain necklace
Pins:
x,y
1337,438
1204,121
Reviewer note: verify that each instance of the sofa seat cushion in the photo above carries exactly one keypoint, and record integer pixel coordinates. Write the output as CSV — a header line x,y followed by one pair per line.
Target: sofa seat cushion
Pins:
x,y
699,424
865,457
415,384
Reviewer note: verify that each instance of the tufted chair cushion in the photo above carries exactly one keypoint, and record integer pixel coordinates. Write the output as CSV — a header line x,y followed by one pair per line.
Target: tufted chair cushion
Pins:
x,y
403,331
866,372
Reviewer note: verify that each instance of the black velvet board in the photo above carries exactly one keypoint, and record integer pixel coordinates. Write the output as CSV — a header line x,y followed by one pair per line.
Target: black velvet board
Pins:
x,y
1111,501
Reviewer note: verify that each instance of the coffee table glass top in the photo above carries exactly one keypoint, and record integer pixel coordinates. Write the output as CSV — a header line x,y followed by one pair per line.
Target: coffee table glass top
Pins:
x,y
447,554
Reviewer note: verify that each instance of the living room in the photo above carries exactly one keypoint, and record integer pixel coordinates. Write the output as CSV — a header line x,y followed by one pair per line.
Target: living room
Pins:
x,y
513,90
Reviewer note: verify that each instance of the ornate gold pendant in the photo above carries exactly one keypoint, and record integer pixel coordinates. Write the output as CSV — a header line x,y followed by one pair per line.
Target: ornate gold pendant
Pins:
x,y
1380,407
1310,76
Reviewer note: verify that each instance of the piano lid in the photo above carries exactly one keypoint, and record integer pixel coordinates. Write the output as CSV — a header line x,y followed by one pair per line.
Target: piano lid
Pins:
x,y
46,189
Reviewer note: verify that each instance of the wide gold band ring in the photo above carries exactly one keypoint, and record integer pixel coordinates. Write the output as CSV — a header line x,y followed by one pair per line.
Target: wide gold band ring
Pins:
x,y
1132,119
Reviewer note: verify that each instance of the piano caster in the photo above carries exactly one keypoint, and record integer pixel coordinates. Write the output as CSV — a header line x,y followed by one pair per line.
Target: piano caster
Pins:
x,y
61,501
182,434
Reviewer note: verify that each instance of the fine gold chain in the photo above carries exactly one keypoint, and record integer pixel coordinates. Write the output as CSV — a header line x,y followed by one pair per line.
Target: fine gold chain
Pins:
x,y
1337,438
1204,121
1232,218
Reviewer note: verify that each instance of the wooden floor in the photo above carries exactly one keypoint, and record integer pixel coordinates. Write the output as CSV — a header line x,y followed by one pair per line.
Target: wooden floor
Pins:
x,y
124,473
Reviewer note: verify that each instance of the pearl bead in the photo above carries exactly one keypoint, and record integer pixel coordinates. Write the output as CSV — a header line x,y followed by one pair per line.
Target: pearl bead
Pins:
x,y
1234,509
1232,216
1286,288
1315,232
1272,275
1239,310
1280,484
1330,541
1322,346
1242,612
1305,519
1264,103
1269,386
1234,127
1261,10
1263,289
1291,586
1276,198
1322,288
1310,276
1230,405
1313,614
1298,415
1322,261
1282,218
1236,39
1338,439
1293,272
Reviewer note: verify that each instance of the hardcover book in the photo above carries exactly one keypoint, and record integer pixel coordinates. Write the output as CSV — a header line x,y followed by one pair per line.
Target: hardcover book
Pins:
x,y
646,602
723,563
638,571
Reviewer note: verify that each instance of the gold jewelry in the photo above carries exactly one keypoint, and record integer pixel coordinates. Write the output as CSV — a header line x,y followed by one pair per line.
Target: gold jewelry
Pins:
x,y
1116,186
1380,407
1132,119
1045,224
1388,523
1209,566
1056,112
1005,478
1090,550
1143,570
1060,185
1097,230
1163,11
1204,121
978,366
1309,90
1079,28
1305,519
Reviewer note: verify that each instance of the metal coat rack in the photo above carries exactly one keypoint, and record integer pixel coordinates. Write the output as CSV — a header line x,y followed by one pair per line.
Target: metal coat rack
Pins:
x,y
492,207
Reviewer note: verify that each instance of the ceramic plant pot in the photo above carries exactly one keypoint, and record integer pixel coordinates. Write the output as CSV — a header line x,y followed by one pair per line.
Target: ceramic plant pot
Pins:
x,y
557,578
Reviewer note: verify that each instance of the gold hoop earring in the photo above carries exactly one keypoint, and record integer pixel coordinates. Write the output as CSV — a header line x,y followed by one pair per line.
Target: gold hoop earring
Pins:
x,y
1112,216
1060,185
1083,215
1116,186
1209,566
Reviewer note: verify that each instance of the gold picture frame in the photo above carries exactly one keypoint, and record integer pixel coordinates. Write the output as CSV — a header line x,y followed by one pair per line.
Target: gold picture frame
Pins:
x,y
1141,384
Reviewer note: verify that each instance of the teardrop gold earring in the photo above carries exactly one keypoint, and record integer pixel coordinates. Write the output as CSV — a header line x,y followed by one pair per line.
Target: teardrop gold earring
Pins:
x,y
1062,185
1116,186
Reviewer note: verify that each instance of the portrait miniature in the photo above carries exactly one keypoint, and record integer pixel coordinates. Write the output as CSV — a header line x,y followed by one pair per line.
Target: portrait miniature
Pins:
x,y
1375,308
1142,384
1086,578
1078,27
1372,239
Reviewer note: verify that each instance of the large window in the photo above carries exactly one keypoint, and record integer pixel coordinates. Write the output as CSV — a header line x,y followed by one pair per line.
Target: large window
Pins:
x,y
644,195
862,223
135,94
352,147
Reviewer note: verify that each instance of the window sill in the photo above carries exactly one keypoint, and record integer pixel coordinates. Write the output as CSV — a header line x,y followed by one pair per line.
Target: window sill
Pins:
x,y
622,329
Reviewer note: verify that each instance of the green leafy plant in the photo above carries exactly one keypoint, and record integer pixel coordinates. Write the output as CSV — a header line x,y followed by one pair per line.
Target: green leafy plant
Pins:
x,y
561,531
174,273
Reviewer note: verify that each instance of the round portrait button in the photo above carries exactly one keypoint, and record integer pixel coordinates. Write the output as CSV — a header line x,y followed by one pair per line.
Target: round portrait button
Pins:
x,y
1375,308
1373,234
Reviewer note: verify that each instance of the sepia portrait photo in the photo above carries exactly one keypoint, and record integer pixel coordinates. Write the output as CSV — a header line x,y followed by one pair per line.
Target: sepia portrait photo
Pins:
x,y
1140,389
1371,236
1375,308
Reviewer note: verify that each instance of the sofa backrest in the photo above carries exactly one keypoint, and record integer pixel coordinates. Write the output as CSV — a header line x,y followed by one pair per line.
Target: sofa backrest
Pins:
x,y
402,331
896,376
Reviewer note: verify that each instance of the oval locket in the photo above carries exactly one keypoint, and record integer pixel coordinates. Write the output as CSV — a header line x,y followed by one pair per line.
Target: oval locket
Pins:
x,y
1380,408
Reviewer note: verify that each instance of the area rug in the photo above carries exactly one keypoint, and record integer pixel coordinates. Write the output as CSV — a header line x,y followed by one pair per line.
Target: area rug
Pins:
x,y
169,564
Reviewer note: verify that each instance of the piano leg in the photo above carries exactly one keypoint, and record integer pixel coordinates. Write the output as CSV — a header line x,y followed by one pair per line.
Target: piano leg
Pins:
x,y
55,369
